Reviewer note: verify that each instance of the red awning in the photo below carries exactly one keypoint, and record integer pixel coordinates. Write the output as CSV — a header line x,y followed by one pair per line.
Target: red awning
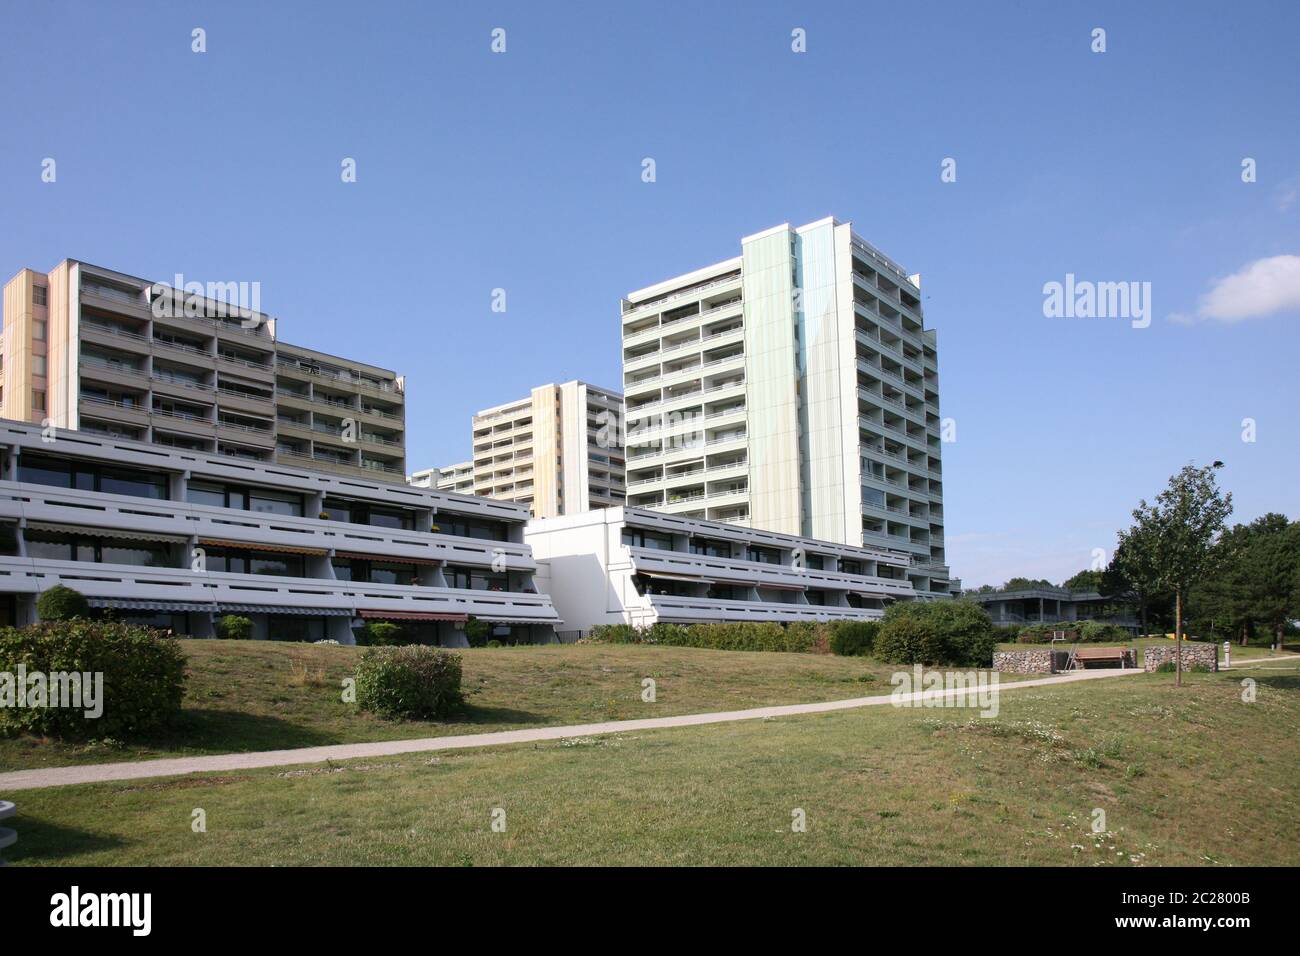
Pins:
x,y
255,546
411,616
362,555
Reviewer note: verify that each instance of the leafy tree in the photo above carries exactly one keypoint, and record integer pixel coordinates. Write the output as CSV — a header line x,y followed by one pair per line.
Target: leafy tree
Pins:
x,y
1086,580
1177,534
1132,573
61,603
1255,583
1025,584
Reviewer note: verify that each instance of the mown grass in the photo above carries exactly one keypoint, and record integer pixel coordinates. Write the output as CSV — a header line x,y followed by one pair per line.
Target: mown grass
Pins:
x,y
1189,776
259,695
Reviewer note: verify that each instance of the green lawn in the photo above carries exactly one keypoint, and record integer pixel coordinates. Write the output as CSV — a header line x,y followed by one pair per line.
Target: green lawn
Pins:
x,y
259,695
1192,776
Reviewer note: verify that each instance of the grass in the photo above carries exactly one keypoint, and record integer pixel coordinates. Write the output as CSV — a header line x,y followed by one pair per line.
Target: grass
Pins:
x,y
1193,776
260,695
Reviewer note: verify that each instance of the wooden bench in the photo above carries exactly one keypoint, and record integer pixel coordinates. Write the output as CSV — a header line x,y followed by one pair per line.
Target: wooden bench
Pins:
x,y
1085,656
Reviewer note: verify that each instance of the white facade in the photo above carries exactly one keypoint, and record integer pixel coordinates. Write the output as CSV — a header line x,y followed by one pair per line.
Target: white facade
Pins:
x,y
136,528
458,478
794,389
632,566
556,451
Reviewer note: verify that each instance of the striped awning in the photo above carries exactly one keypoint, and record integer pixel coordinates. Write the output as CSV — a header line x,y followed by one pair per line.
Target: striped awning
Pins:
x,y
255,546
363,556
54,528
128,604
279,609
411,616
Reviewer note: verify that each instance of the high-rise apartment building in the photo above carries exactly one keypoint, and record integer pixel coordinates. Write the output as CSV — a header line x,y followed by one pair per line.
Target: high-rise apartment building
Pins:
x,y
458,478
793,389
556,451
95,350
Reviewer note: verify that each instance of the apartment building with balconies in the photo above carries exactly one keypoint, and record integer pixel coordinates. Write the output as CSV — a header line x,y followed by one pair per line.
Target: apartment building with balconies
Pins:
x,y
793,388
458,478
638,567
96,350
177,538
556,451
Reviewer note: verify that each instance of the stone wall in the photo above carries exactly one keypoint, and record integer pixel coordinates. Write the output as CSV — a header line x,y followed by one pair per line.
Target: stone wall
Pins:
x,y
1035,661
1194,653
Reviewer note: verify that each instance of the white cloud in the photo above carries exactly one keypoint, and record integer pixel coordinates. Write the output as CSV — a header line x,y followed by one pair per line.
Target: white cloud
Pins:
x,y
1262,287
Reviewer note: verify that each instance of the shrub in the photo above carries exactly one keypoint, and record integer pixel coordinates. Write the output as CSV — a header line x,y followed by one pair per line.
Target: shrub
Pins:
x,y
413,681
381,634
477,632
797,637
950,633
234,627
1088,631
853,638
61,603
143,676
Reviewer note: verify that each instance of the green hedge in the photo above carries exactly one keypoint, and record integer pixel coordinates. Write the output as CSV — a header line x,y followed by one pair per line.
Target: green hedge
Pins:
x,y
947,633
1089,631
413,681
799,637
143,677
381,634
854,638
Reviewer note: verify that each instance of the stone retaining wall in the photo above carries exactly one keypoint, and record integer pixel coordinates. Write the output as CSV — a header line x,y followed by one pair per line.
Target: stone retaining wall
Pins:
x,y
1194,654
1035,661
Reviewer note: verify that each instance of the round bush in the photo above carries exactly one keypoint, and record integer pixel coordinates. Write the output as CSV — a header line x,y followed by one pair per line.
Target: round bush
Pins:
x,y
141,678
412,681
61,603
854,638
950,633
234,627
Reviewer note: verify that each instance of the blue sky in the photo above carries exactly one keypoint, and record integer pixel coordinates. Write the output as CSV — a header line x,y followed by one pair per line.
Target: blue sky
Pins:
x,y
522,171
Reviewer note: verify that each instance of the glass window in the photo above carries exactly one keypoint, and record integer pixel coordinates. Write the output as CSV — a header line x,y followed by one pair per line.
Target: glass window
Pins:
x,y
764,555
40,470
120,481
40,295
641,538
38,365
275,502
38,330
38,400
202,493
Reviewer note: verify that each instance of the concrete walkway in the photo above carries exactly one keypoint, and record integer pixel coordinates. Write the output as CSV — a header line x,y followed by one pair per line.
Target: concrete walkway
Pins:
x,y
139,769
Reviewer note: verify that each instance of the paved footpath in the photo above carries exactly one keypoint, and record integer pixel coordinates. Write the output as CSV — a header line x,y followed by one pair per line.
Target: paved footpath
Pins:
x,y
139,769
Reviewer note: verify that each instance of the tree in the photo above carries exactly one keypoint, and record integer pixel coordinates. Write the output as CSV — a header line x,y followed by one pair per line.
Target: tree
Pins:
x,y
61,603
1026,584
1177,536
1256,577
1132,571
1086,580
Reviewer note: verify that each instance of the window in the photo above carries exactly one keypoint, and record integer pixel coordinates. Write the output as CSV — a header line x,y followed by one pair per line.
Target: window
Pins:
x,y
38,330
466,527
59,546
359,512
764,555
38,365
238,561
217,495
89,476
641,538
850,567
375,572
40,295
710,548
38,400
